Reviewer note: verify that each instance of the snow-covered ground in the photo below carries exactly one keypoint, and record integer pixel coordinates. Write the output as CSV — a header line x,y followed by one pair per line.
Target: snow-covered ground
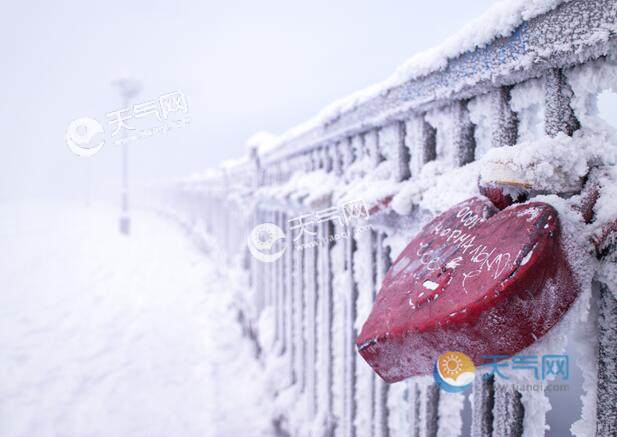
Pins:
x,y
104,335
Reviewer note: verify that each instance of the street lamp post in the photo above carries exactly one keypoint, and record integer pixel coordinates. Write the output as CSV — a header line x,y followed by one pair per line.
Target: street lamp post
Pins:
x,y
129,88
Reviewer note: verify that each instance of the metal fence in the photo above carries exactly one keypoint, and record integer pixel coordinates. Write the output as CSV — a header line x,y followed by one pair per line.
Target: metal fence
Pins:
x,y
316,309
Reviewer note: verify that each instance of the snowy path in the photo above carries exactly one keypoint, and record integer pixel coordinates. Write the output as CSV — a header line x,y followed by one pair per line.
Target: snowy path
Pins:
x,y
109,336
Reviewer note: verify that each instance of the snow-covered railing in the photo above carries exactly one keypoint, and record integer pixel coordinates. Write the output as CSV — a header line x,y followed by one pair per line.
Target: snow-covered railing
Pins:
x,y
407,150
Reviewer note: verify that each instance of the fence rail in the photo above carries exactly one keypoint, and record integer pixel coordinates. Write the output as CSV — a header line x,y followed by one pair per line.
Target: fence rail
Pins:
x,y
316,299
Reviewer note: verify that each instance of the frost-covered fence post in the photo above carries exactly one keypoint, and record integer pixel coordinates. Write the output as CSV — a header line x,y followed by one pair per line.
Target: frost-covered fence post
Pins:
x,y
326,230
380,420
505,120
421,140
325,310
275,288
482,408
309,320
311,306
431,409
255,167
290,303
339,337
251,223
335,154
270,273
316,292
261,269
364,276
339,309
508,412
347,153
282,292
463,135
371,143
607,362
414,413
351,296
392,145
357,145
558,114
265,268
349,357
299,296
307,328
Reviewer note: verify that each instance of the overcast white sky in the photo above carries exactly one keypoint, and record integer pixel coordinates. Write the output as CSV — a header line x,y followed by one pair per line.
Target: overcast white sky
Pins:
x,y
243,66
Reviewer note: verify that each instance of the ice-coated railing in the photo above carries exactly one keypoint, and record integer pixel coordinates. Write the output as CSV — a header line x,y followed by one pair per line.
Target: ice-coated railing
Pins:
x,y
307,307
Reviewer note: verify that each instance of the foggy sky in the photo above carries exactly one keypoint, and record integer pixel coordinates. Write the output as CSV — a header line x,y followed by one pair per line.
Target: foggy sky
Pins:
x,y
243,67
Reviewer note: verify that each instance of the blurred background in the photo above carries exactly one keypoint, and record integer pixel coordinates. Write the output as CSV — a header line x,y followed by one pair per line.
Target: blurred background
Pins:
x,y
242,66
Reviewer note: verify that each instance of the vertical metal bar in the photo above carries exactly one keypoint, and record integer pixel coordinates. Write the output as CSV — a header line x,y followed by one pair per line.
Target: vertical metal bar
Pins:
x,y
607,363
421,140
558,114
505,120
414,402
371,143
508,412
280,283
357,144
350,336
292,272
382,264
274,287
299,310
261,269
349,388
335,153
431,410
316,276
373,279
364,277
310,324
250,225
326,322
283,292
407,406
403,171
483,401
392,143
340,341
464,139
272,283
266,268
326,159
268,273
347,153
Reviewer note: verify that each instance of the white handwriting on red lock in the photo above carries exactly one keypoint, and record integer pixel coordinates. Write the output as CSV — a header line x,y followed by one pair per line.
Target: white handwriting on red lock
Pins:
x,y
479,254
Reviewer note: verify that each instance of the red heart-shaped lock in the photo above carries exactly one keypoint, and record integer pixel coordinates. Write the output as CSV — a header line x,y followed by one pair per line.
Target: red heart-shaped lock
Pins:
x,y
475,280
